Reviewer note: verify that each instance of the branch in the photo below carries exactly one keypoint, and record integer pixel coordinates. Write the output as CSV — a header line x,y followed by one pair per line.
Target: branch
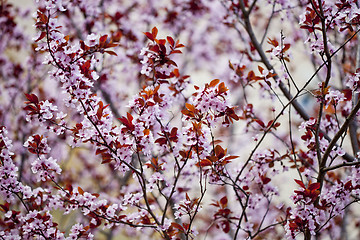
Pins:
x,y
322,169
353,126
338,134
292,99
346,164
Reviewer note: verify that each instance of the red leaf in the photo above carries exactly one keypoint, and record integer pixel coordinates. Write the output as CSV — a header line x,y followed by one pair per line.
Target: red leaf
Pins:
x,y
162,43
32,98
81,191
42,35
348,185
273,42
175,51
5,207
261,123
222,88
190,107
226,226
187,197
300,183
99,151
177,226
149,36
161,141
130,117
179,45
214,82
109,45
230,157
111,53
204,163
260,69
43,18
219,151
314,186
103,39
106,158
265,180
269,123
286,47
154,32
223,202
127,122
170,40
30,108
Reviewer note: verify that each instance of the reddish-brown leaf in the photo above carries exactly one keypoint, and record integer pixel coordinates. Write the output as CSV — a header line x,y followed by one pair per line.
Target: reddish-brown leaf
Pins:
x,y
314,186
42,35
170,40
154,32
177,226
219,151
81,191
222,88
100,151
261,123
204,163
32,98
214,82
111,53
300,183
103,39
261,69
223,202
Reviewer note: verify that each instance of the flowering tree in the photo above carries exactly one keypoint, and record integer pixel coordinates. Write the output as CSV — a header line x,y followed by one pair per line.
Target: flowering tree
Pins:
x,y
103,133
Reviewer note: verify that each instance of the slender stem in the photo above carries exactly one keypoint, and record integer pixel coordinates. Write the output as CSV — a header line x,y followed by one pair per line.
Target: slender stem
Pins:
x,y
353,125
342,130
292,99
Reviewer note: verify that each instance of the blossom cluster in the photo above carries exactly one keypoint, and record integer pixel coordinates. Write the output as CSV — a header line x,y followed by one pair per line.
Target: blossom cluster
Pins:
x,y
101,124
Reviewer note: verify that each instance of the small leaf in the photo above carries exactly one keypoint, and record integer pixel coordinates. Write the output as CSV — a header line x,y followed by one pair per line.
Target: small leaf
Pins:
x,y
231,66
219,151
187,197
42,35
106,158
230,157
261,123
226,227
161,141
81,191
190,107
170,40
111,53
300,183
265,180
222,88
204,163
102,39
223,202
149,36
154,32
286,47
100,151
177,226
314,186
32,98
260,69
110,45
214,82
175,51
